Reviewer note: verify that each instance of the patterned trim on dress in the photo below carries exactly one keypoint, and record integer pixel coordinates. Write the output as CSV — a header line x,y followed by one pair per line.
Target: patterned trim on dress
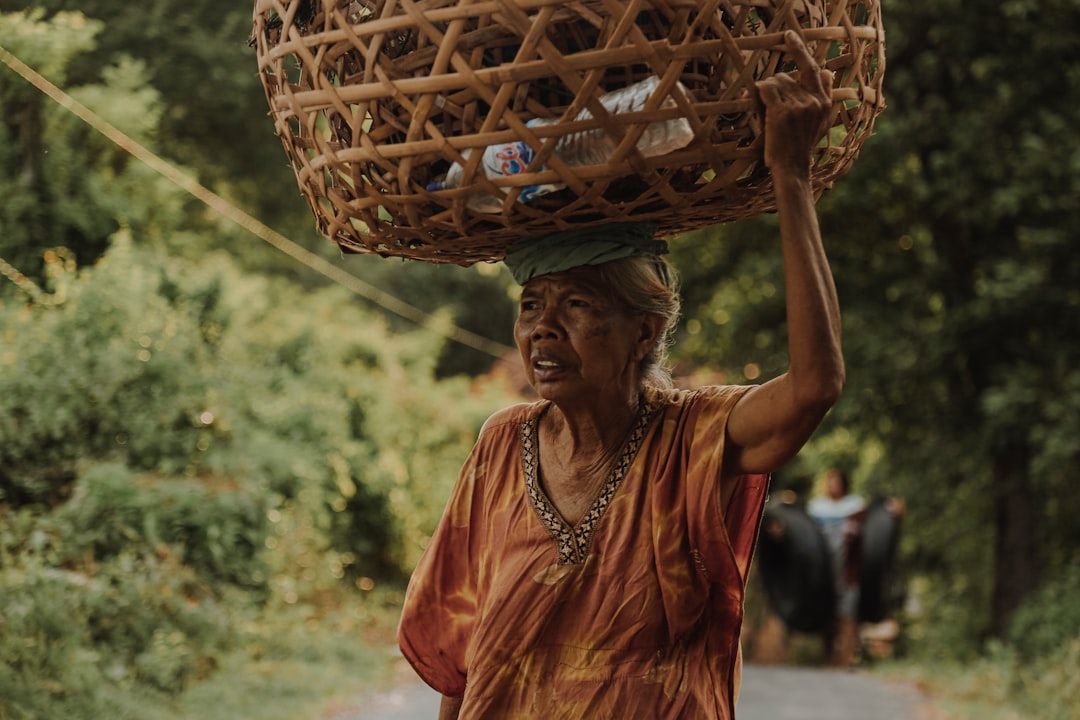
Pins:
x,y
573,542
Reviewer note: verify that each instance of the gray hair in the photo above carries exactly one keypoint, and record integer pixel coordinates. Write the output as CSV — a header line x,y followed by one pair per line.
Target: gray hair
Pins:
x,y
648,284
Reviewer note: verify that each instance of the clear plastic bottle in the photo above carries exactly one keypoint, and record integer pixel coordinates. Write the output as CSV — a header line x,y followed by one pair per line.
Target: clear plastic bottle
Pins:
x,y
588,147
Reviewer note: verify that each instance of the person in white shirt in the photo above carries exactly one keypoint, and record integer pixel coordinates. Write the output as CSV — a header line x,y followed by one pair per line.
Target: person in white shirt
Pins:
x,y
839,514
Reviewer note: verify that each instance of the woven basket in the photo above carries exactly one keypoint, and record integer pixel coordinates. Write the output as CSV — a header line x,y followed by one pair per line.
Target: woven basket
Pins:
x,y
375,99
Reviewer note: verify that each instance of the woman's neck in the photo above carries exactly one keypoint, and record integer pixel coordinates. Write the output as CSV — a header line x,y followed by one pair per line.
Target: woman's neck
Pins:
x,y
578,451
590,429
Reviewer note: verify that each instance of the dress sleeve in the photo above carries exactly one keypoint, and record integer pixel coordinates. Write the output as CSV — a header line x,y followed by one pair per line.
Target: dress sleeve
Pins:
x,y
440,607
742,518
724,510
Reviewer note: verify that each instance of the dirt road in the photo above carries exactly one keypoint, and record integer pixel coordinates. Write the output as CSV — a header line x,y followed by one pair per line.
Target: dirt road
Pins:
x,y
768,693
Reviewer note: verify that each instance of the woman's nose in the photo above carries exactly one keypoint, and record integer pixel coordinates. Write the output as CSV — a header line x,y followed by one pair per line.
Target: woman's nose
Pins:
x,y
547,324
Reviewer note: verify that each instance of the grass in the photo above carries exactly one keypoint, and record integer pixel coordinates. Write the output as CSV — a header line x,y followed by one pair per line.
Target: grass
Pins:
x,y
978,691
287,662
300,662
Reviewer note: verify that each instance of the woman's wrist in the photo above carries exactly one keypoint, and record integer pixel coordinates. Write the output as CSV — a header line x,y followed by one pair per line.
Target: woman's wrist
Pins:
x,y
799,172
791,179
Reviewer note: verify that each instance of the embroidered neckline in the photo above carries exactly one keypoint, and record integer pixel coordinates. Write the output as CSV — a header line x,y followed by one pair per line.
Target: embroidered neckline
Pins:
x,y
574,541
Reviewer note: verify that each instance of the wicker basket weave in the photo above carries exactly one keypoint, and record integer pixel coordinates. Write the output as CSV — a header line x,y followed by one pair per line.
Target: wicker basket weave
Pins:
x,y
374,99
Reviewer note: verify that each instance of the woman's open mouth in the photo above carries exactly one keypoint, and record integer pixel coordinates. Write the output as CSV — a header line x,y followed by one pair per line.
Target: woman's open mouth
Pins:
x,y
546,368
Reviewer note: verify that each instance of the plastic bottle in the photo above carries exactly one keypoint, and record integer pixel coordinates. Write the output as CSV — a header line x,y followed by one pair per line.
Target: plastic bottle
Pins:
x,y
588,147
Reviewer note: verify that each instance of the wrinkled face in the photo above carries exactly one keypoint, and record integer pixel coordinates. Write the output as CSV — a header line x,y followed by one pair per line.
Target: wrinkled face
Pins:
x,y
576,344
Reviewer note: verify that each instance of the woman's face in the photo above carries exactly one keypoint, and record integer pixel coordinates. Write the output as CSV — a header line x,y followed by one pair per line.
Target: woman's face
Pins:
x,y
577,345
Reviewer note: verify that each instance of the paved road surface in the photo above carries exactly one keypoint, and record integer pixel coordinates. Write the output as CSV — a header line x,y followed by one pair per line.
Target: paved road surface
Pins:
x,y
792,693
768,693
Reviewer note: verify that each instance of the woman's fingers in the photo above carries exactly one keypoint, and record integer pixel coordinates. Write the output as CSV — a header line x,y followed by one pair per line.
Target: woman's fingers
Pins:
x,y
796,107
827,81
816,80
768,91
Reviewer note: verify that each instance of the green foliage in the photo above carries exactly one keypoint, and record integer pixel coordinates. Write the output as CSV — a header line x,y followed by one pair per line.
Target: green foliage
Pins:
x,y
1002,685
983,215
197,58
181,443
64,184
299,661
481,299
142,639
66,636
182,81
1050,686
112,372
27,175
733,300
210,116
124,586
1050,619
216,531
952,243
198,371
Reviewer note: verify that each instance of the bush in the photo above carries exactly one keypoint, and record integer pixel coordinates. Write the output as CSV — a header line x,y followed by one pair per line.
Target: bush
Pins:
x,y
212,445
115,372
177,369
1051,684
218,532
1031,676
67,637
1050,618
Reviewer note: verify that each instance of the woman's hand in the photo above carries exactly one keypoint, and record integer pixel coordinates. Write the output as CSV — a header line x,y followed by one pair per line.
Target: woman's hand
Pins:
x,y
797,109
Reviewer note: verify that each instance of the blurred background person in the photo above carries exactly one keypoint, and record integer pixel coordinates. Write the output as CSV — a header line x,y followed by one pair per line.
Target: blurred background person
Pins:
x,y
839,513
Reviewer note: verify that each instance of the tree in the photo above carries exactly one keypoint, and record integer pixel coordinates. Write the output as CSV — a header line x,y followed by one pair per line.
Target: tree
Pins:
x,y
994,183
43,168
205,110
197,58
951,242
65,184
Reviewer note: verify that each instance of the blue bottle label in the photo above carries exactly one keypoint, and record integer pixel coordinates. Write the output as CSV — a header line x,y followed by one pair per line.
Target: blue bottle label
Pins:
x,y
509,159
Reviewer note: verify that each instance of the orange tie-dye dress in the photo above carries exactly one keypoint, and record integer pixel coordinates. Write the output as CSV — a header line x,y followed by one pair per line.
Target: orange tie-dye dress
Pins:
x,y
635,612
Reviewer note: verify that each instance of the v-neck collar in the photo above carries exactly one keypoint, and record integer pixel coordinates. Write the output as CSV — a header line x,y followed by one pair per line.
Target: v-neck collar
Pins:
x,y
574,541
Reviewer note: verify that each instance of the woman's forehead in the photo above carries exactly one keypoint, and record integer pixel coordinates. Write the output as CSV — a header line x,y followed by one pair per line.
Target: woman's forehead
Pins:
x,y
586,277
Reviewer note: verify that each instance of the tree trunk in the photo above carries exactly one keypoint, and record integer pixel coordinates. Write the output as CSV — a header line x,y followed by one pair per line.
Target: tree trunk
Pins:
x,y
1015,548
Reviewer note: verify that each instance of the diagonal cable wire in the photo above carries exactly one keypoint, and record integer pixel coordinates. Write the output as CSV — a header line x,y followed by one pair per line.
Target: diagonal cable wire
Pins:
x,y
25,284
227,210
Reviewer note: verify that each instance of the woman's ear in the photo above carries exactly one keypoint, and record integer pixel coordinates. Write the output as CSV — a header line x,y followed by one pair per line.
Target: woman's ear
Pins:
x,y
650,330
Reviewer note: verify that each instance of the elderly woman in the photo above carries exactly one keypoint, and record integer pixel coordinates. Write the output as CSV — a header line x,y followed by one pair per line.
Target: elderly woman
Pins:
x,y
592,558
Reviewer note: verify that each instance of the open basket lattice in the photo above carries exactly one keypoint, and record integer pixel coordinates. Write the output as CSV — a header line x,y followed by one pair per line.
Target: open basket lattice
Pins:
x,y
375,100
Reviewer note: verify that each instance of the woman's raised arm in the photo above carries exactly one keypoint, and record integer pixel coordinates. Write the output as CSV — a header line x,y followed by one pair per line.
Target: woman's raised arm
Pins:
x,y
772,422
